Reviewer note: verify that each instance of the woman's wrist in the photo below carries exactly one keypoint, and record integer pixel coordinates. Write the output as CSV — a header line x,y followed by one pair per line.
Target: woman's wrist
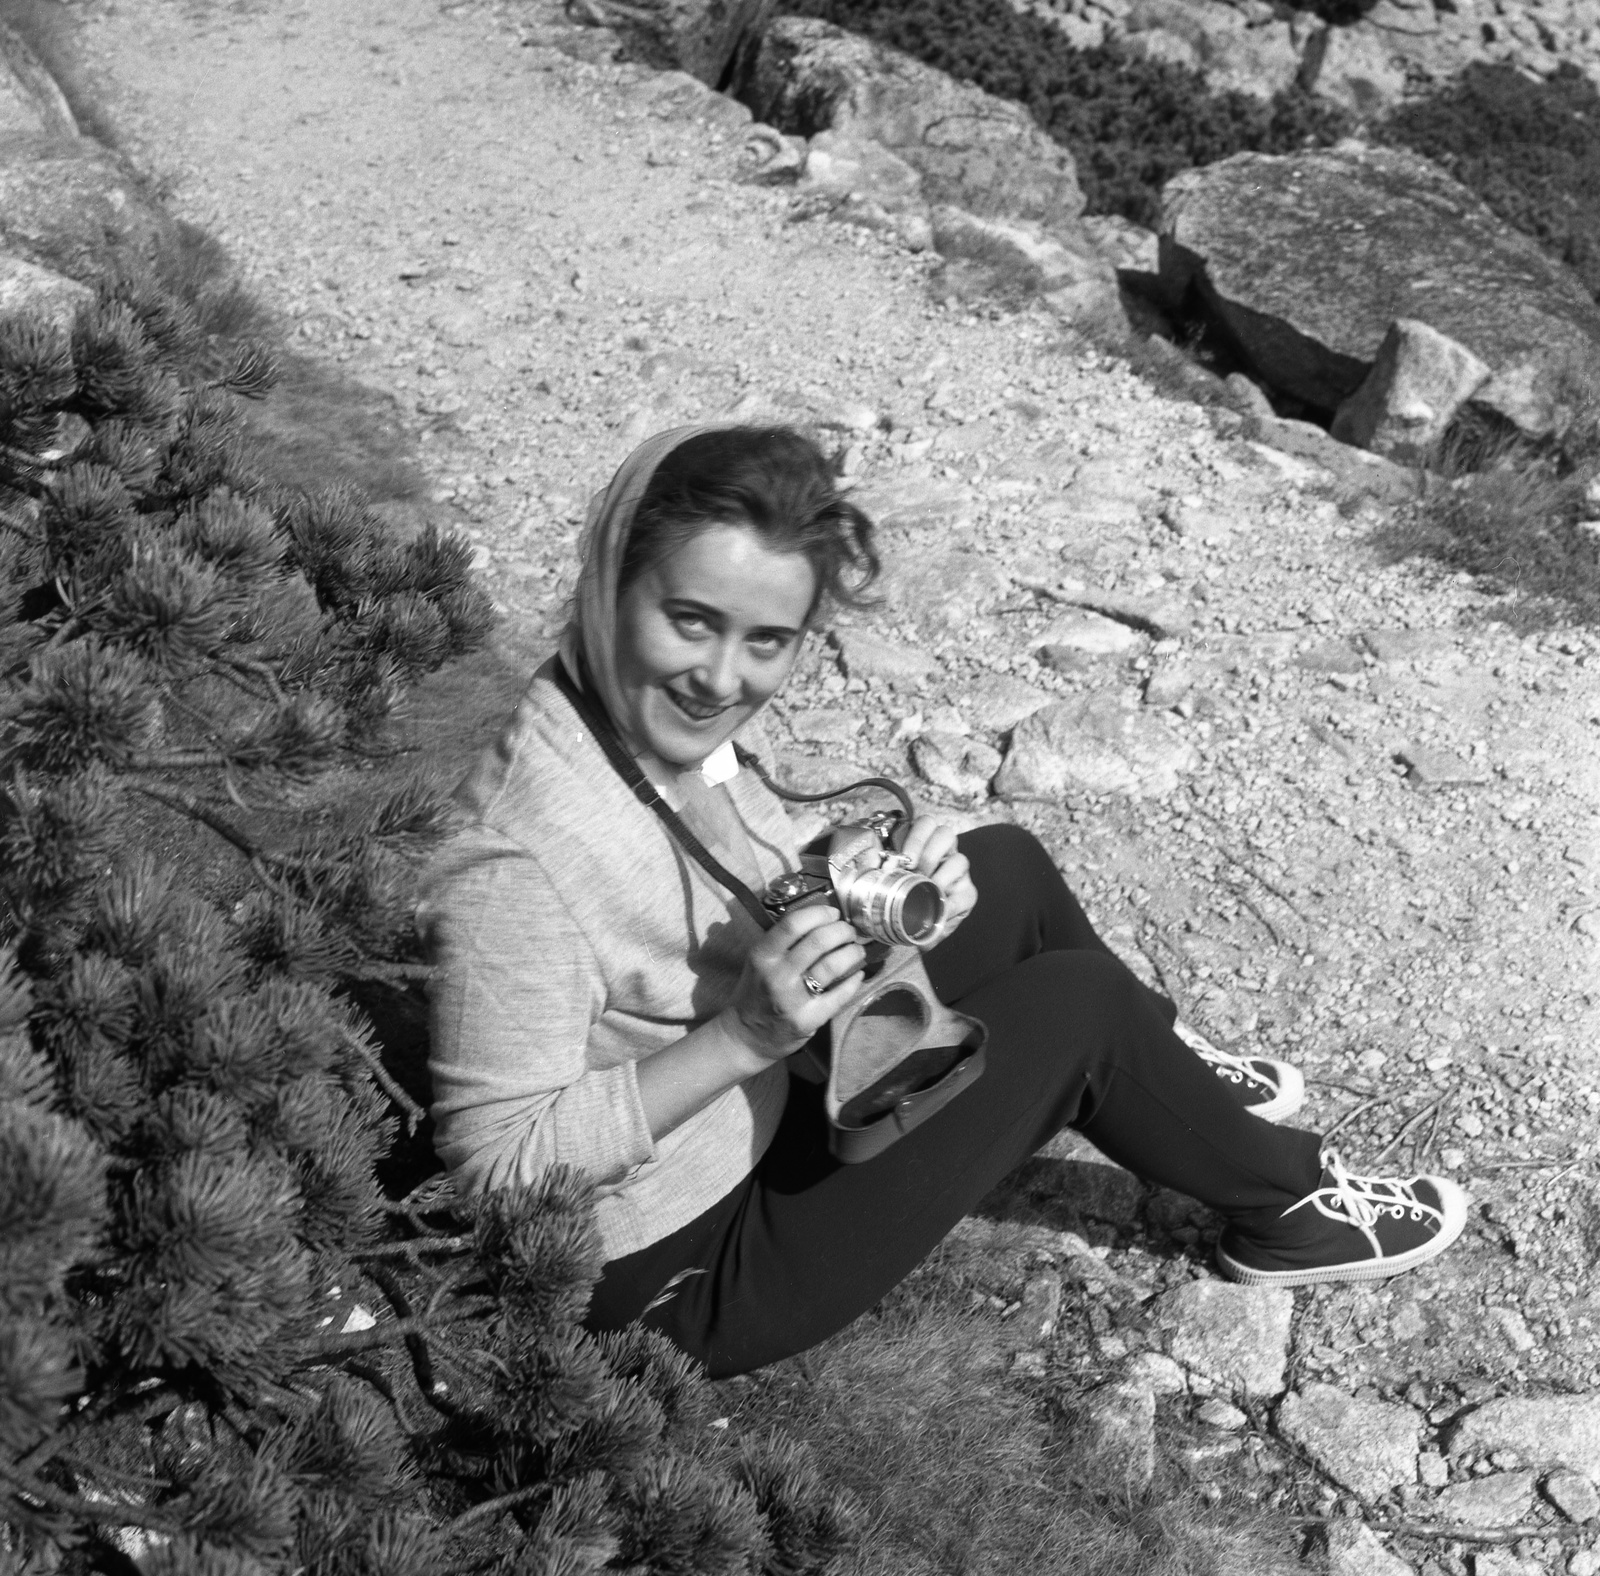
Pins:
x,y
745,1044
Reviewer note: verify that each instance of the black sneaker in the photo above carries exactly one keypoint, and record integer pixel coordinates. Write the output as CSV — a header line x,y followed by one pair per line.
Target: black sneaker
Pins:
x,y
1265,1088
1372,1228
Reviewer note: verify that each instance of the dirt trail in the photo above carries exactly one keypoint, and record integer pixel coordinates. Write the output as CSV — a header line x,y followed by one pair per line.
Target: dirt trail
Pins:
x,y
543,259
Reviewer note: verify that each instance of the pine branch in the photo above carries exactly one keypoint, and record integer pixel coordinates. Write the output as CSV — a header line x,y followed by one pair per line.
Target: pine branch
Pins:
x,y
414,1112
184,805
322,1348
139,1405
421,1358
110,1513
411,1250
493,1507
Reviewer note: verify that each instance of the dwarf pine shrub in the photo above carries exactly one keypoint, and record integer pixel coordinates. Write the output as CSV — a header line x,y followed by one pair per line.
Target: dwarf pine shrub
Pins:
x,y
1529,149
1130,123
223,1351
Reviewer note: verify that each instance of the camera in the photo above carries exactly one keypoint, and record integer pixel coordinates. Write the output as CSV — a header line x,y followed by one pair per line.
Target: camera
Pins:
x,y
871,881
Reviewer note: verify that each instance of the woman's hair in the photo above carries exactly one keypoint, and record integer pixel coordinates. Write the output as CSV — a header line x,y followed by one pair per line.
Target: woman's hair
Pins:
x,y
771,479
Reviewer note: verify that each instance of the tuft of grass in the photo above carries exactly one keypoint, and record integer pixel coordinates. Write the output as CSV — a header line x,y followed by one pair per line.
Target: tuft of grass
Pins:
x,y
961,1470
1496,508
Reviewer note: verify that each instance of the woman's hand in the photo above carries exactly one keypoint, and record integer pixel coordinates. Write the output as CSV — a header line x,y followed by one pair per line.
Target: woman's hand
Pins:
x,y
930,845
773,1011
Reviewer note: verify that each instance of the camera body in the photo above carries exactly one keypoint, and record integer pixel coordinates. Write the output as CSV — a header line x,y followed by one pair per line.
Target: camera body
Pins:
x,y
873,884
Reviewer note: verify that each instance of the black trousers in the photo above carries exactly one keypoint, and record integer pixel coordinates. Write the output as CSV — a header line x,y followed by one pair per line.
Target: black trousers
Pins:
x,y
806,1244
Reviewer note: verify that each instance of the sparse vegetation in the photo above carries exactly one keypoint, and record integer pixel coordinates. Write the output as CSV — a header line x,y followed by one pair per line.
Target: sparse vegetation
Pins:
x,y
1131,123
1529,149
961,1469
1497,508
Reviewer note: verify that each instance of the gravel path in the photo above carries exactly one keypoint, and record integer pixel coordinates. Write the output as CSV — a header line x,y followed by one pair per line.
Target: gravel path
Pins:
x,y
542,259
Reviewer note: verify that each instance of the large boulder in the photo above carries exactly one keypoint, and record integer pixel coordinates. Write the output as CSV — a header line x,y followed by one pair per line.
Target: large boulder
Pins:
x,y
701,37
973,151
1307,259
1419,381
1236,55
71,206
25,287
31,101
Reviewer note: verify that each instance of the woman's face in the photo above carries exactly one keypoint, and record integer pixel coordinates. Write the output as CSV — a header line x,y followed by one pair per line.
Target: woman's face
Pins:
x,y
706,638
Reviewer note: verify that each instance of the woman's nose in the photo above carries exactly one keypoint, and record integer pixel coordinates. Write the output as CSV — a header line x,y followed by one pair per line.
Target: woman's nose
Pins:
x,y
719,678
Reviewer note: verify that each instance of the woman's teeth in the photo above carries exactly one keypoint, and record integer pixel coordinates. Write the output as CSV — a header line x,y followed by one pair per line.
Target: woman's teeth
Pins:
x,y
693,709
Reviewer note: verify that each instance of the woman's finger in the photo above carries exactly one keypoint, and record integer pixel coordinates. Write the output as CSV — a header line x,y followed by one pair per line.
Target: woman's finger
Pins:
x,y
832,951
928,844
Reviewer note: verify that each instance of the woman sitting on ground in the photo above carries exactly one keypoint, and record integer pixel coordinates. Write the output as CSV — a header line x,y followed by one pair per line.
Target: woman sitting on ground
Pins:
x,y
603,1000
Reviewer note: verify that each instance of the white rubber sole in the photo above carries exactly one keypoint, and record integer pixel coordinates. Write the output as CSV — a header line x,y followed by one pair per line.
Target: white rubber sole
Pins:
x,y
1453,1206
1290,1097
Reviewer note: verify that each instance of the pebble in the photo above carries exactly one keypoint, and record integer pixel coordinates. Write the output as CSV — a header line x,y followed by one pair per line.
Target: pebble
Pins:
x,y
1574,1495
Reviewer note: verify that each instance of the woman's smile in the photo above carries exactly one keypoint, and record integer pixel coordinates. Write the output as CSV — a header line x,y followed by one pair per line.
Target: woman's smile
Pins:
x,y
705,639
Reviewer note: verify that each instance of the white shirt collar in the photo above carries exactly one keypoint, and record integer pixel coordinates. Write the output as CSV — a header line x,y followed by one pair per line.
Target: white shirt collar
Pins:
x,y
721,765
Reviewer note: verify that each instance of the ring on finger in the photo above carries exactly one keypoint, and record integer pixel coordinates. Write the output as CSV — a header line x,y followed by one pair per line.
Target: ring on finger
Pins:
x,y
815,987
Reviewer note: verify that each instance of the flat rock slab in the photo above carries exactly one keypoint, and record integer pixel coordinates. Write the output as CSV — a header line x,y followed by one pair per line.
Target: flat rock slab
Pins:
x,y
1367,1446
1093,745
996,701
1573,1495
866,657
70,205
1402,645
1354,1550
945,589
1544,1431
1309,257
1117,1424
1430,767
817,774
957,764
1091,633
1236,1336
25,287
1499,1500
821,726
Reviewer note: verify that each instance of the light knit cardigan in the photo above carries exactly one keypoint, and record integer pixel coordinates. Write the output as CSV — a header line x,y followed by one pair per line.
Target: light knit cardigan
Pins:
x,y
573,939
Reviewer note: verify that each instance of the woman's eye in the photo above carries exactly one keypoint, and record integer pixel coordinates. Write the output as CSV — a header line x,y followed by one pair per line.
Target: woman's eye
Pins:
x,y
768,645
689,623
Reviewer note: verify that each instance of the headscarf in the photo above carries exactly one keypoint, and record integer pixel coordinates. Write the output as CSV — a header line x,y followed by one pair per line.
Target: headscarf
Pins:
x,y
589,642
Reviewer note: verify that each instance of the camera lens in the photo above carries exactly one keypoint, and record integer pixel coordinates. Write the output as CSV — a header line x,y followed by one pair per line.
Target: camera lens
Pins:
x,y
896,906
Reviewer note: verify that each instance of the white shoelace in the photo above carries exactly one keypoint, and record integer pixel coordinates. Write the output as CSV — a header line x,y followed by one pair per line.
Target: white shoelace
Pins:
x,y
1360,1201
1234,1068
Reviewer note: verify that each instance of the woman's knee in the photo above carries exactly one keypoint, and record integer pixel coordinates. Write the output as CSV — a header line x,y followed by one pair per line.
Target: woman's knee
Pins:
x,y
1010,862
1078,991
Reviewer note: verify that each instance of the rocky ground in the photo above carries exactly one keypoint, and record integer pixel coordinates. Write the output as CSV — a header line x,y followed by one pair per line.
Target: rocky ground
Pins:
x,y
1338,805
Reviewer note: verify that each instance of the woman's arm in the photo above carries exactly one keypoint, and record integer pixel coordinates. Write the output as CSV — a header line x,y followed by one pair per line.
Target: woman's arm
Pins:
x,y
771,1016
516,993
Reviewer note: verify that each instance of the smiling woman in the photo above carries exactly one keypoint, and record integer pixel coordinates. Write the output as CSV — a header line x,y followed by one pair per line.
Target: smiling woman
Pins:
x,y
610,994
706,638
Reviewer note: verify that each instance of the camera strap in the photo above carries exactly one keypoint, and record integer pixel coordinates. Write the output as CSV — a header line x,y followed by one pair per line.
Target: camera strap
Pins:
x,y
909,1054
646,792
